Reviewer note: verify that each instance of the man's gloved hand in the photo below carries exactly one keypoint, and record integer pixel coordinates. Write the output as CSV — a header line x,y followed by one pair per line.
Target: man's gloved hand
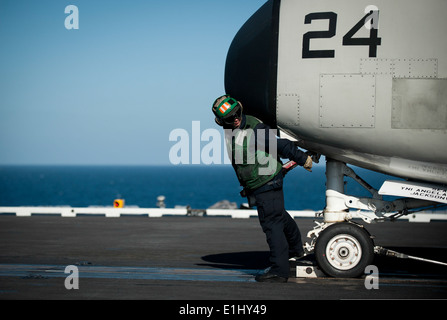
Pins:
x,y
308,164
315,156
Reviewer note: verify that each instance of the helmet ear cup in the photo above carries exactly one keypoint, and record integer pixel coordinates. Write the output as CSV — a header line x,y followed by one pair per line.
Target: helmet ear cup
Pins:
x,y
219,122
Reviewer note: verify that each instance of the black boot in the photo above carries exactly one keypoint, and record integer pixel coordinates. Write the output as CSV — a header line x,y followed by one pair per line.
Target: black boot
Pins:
x,y
270,277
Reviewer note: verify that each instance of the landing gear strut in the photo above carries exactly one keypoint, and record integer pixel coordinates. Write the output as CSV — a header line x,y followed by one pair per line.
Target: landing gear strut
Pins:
x,y
342,249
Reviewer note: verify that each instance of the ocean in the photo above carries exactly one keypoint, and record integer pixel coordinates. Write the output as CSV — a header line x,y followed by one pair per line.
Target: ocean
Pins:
x,y
197,186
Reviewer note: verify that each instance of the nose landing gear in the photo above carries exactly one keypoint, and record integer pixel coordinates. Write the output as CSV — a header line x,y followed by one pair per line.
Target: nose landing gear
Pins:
x,y
343,248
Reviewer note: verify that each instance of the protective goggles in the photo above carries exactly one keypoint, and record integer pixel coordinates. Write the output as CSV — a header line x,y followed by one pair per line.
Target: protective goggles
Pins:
x,y
230,119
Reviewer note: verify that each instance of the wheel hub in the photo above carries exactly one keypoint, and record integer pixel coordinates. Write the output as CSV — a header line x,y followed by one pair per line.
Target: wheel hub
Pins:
x,y
343,252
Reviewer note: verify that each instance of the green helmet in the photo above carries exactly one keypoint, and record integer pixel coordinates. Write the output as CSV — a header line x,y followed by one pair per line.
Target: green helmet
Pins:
x,y
226,109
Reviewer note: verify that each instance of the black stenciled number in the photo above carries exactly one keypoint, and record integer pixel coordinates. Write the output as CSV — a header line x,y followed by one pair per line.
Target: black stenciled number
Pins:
x,y
332,17
373,41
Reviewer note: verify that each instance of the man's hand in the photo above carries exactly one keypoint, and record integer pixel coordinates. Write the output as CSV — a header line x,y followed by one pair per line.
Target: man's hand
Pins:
x,y
315,156
308,164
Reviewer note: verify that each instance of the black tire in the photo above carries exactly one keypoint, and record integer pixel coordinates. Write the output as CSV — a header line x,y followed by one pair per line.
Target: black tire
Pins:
x,y
343,250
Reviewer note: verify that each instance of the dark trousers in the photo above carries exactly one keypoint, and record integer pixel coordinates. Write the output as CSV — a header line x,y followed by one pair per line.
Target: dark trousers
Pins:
x,y
282,233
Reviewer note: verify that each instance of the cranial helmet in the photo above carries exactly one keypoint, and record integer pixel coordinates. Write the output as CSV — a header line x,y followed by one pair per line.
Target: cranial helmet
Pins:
x,y
226,109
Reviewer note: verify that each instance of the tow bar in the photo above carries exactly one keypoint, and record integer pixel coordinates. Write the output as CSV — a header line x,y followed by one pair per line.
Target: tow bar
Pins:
x,y
390,253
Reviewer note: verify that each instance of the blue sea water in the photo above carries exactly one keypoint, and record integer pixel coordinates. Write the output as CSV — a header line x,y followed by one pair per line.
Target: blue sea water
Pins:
x,y
197,186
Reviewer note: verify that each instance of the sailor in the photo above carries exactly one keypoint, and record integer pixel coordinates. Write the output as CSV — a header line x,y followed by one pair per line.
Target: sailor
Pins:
x,y
258,167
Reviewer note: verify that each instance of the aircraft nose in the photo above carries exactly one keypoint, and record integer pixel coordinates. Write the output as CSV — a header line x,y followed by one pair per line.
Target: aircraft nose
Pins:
x,y
251,64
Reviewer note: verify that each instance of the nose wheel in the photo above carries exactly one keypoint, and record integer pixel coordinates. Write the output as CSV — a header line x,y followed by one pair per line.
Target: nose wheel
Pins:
x,y
343,250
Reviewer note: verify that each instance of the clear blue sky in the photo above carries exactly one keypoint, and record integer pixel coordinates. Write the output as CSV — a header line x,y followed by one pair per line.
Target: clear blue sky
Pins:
x,y
110,92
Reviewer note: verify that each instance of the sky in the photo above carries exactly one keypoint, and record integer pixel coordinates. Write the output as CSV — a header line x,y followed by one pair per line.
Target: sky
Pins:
x,y
111,91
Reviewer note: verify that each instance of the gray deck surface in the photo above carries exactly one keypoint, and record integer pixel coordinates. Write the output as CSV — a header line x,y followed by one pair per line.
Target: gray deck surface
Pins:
x,y
195,258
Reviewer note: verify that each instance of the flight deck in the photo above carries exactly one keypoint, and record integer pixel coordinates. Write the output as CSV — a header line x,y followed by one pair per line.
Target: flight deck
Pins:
x,y
196,258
